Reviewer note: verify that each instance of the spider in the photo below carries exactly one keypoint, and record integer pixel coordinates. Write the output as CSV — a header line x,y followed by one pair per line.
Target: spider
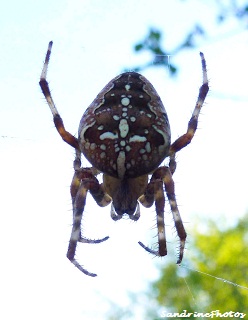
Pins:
x,y
125,135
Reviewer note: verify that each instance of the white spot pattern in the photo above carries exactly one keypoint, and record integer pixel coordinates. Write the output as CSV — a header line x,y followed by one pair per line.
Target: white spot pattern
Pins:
x,y
121,164
137,138
109,135
125,101
124,128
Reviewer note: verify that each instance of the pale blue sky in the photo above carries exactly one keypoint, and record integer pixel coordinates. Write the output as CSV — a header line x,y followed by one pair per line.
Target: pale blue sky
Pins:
x,y
93,42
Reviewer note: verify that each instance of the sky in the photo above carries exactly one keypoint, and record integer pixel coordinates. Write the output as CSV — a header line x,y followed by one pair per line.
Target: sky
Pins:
x,y
93,42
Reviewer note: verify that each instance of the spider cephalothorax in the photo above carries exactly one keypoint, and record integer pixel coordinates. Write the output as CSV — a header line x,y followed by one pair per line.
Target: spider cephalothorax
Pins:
x,y
125,134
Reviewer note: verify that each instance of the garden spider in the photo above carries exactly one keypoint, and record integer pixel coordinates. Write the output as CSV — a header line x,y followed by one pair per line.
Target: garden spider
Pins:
x,y
125,134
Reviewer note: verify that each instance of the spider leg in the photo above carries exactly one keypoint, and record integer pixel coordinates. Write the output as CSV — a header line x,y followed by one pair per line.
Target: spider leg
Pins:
x,y
82,173
78,207
170,192
186,138
155,192
65,135
82,182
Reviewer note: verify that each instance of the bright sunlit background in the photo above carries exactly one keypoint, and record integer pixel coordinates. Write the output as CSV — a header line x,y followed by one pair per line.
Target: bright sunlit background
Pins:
x,y
93,42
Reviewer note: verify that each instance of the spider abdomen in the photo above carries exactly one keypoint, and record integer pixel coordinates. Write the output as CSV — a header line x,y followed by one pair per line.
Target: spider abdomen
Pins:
x,y
125,132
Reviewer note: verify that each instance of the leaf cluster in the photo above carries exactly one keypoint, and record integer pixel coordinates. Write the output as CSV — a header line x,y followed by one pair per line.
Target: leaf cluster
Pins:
x,y
221,254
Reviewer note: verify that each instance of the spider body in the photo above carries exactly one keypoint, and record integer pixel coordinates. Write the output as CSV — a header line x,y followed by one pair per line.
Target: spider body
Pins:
x,y
125,132
125,135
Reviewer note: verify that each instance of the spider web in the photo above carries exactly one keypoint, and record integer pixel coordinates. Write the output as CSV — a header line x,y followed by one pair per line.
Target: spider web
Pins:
x,y
212,276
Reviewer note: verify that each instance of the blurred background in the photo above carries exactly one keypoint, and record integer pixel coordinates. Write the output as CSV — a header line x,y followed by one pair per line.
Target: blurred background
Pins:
x,y
93,42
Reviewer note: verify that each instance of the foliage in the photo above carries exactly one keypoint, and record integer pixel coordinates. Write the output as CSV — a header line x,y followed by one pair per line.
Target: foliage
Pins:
x,y
222,254
232,8
160,57
213,281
